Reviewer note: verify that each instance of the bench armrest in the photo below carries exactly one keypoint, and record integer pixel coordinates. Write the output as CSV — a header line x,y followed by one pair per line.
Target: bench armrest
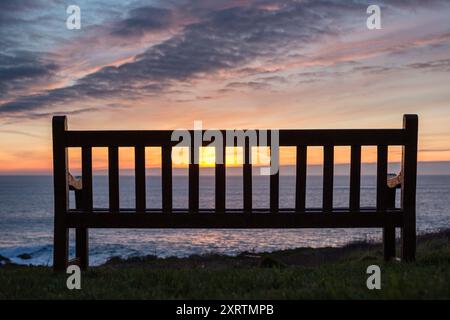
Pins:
x,y
395,180
74,183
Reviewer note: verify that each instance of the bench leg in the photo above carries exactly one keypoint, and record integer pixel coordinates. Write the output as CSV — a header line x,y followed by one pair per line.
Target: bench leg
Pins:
x,y
408,244
389,243
60,248
389,229
82,247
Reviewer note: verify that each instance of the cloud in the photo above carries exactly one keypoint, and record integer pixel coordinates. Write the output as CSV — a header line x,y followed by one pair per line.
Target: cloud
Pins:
x,y
253,85
20,69
226,39
9,9
435,150
22,133
143,19
48,115
220,39
437,65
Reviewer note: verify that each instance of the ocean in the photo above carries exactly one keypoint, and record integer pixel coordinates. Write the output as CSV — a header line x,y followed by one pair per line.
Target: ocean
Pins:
x,y
26,218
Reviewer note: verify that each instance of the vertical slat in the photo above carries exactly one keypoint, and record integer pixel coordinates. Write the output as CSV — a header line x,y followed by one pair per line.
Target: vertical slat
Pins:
x,y
86,160
381,178
113,175
355,177
140,190
166,153
328,173
82,234
194,172
300,179
275,176
220,179
61,194
409,168
247,175
383,202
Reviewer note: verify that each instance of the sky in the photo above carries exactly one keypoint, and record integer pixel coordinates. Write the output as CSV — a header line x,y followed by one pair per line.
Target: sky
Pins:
x,y
230,64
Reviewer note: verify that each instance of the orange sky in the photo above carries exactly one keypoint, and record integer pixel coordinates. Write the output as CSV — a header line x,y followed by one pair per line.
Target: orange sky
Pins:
x,y
256,67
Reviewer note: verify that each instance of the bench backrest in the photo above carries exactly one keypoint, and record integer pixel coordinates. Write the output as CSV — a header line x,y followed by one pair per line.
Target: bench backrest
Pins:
x,y
383,215
301,139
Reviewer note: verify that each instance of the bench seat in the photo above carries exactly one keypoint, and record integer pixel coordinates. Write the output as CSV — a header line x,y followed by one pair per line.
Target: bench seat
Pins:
x,y
235,218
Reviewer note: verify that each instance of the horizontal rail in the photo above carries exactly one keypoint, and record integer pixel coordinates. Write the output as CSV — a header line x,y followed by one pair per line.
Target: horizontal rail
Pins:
x,y
287,137
236,220
393,181
370,209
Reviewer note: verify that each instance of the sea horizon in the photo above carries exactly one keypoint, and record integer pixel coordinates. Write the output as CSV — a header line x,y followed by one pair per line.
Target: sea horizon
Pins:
x,y
26,212
340,169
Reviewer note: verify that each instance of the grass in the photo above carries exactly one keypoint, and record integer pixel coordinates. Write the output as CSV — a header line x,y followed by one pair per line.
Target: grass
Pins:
x,y
328,273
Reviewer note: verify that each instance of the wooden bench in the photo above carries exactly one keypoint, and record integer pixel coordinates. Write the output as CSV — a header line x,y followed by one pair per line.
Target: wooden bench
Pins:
x,y
384,215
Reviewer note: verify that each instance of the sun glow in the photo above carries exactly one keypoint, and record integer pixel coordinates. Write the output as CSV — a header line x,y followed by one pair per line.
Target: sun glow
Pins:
x,y
207,156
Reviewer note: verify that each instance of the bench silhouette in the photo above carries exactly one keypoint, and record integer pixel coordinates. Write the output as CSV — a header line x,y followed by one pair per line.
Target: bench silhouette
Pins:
x,y
384,215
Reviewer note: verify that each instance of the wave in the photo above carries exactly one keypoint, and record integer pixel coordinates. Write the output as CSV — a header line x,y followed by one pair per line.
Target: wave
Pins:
x,y
42,255
26,255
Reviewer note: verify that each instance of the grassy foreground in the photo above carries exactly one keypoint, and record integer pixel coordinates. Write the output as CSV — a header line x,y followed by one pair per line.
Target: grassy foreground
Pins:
x,y
328,273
